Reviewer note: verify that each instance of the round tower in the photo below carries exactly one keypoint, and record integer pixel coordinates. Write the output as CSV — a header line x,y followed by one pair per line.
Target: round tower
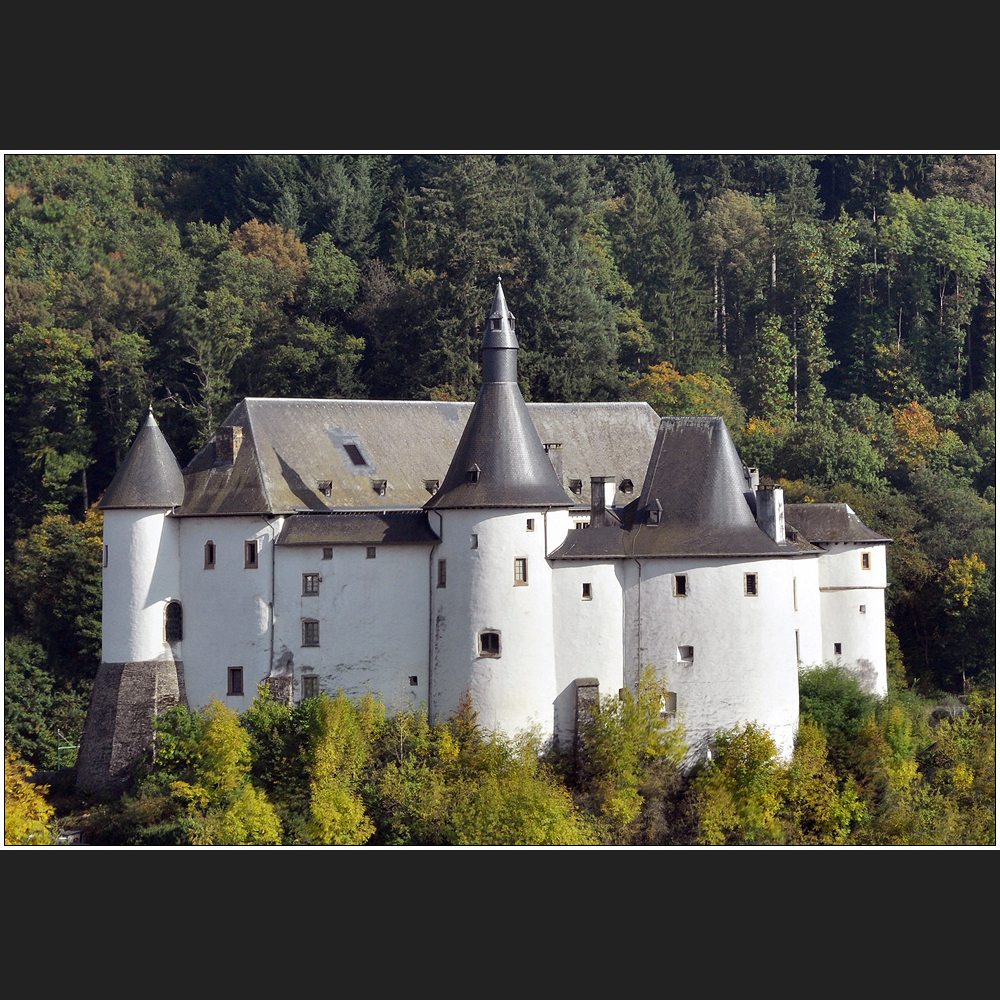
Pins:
x,y
498,512
142,614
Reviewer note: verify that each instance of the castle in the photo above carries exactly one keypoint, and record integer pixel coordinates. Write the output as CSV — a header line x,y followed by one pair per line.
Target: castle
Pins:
x,y
427,552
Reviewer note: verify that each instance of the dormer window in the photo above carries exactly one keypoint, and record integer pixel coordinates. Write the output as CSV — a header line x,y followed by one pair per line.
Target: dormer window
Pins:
x,y
474,474
496,321
379,486
576,486
626,487
654,513
325,487
432,485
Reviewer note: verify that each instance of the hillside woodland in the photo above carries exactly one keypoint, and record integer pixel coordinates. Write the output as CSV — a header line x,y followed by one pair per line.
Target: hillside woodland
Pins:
x,y
838,311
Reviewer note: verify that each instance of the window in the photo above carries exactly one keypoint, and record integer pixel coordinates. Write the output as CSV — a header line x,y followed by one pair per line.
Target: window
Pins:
x,y
413,680
310,632
174,621
668,705
209,555
529,525
325,487
250,555
862,609
685,654
371,552
626,486
798,648
380,486
750,584
580,524
328,552
520,572
442,572
866,560
489,643
795,593
235,680
354,454
588,592
680,585
837,649
432,485
310,583
576,486
104,557
475,541
474,474
310,686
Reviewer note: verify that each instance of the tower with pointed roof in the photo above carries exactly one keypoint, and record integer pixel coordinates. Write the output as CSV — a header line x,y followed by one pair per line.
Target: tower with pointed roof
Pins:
x,y
499,511
141,670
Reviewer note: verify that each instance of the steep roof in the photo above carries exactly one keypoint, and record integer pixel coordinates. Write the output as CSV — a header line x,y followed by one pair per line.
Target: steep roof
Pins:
x,y
696,480
149,476
830,522
292,447
500,461
395,527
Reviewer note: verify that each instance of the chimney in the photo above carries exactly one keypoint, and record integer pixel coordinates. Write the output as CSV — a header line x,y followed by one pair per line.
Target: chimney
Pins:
x,y
227,444
771,512
602,495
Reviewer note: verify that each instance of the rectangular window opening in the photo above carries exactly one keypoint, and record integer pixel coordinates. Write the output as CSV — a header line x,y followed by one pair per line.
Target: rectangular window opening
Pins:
x,y
863,609
750,584
413,680
310,686
520,572
104,558
489,643
354,454
588,592
837,649
866,560
209,555
234,681
681,585
250,554
668,705
475,542
795,593
371,552
529,525
442,573
685,654
328,552
310,632
798,649
310,584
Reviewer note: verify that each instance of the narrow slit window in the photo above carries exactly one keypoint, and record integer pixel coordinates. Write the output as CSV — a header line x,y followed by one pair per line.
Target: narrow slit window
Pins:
x,y
520,572
750,584
209,555
104,561
529,525
588,592
475,542
310,632
681,585
250,554
234,680
310,584
442,572
795,593
866,560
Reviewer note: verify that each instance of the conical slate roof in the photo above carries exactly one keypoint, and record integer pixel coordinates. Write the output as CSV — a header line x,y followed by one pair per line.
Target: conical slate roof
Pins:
x,y
149,476
500,461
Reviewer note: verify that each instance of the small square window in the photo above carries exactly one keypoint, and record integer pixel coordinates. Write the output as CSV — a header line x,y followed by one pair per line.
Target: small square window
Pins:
x,y
750,584
680,585
209,555
442,572
310,583
413,680
837,649
234,680
475,541
310,632
866,560
588,592
310,686
371,552
250,554
489,643
328,552
685,654
529,525
520,572
863,609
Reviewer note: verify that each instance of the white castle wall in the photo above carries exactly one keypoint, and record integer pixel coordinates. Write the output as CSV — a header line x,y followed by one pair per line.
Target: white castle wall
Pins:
x,y
226,609
744,666
846,587
142,574
518,687
373,620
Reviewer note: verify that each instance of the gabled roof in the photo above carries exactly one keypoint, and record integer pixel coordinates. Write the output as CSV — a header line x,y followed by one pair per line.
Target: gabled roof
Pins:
x,y
830,522
149,476
387,527
292,447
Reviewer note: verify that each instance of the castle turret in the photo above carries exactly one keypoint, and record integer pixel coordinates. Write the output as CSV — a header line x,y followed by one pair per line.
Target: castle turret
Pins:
x,y
141,670
498,506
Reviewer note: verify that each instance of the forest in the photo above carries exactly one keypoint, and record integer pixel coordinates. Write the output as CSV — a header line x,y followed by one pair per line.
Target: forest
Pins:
x,y
839,311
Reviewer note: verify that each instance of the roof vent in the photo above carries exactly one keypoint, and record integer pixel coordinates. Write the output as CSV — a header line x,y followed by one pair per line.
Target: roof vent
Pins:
x,y
626,487
432,485
379,486
576,486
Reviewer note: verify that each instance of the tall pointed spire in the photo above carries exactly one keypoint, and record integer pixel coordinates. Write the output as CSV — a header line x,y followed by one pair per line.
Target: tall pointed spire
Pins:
x,y
149,476
500,461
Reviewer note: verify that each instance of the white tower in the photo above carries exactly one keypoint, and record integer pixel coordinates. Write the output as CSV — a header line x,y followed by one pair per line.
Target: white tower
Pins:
x,y
498,506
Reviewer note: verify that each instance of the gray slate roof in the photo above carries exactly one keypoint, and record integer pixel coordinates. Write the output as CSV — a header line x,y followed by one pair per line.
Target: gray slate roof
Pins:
x,y
149,476
830,522
393,527
291,446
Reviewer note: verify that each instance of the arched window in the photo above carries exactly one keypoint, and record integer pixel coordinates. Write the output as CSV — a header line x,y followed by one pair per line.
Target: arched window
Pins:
x,y
174,621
